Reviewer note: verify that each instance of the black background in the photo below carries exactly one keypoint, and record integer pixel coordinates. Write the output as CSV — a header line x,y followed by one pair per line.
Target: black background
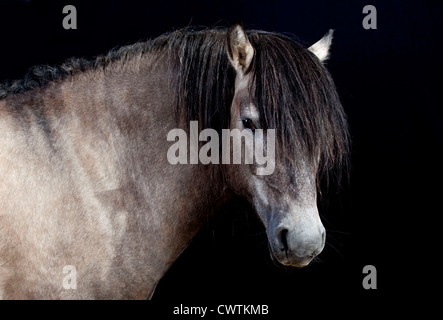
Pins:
x,y
388,80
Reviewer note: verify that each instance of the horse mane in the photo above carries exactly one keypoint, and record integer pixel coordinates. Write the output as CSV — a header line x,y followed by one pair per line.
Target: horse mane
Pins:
x,y
41,75
294,92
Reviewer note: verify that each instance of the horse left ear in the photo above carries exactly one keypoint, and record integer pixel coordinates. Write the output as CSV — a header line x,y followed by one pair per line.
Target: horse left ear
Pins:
x,y
239,49
321,47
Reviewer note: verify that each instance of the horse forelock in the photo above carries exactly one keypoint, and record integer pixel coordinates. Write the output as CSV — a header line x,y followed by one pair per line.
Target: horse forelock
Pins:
x,y
296,95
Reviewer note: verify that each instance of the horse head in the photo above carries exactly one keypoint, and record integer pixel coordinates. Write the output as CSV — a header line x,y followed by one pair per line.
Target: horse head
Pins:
x,y
280,96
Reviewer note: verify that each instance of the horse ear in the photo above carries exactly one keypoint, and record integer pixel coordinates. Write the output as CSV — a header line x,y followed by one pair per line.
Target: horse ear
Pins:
x,y
321,47
239,49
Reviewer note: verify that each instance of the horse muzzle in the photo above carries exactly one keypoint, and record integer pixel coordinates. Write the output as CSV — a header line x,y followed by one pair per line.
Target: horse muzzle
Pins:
x,y
295,245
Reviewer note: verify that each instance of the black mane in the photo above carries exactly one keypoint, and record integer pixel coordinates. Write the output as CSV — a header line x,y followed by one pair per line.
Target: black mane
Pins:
x,y
41,75
295,94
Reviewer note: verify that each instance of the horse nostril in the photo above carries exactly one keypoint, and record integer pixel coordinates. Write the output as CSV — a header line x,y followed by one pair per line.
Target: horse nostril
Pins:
x,y
284,240
323,238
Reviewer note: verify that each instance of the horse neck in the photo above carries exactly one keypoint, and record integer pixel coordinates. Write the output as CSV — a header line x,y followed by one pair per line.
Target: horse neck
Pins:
x,y
109,128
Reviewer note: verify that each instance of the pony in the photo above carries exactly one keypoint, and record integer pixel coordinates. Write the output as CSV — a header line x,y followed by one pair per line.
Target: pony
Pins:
x,y
90,208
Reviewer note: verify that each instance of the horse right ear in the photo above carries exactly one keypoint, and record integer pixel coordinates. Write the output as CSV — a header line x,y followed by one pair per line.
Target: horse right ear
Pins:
x,y
239,49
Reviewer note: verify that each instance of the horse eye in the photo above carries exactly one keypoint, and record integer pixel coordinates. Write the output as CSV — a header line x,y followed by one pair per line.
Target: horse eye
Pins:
x,y
248,124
